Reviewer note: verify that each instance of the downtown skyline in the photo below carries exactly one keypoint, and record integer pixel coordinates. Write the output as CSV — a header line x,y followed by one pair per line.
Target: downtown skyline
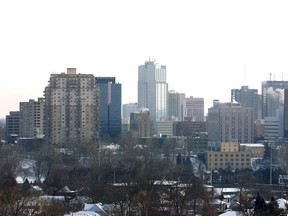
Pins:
x,y
208,47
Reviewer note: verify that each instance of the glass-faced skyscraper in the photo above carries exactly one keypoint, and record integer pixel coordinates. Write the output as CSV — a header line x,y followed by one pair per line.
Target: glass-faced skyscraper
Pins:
x,y
272,97
153,89
110,106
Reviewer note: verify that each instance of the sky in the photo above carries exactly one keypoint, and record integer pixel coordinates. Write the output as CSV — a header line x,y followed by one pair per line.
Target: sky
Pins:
x,y
208,47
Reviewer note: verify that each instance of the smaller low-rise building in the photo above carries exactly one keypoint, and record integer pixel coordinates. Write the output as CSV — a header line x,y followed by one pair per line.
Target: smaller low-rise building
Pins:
x,y
236,155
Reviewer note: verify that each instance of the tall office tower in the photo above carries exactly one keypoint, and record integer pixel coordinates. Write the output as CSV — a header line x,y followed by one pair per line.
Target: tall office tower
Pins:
x,y
272,97
248,98
286,113
195,108
32,119
229,122
176,105
110,106
129,108
153,89
71,109
12,127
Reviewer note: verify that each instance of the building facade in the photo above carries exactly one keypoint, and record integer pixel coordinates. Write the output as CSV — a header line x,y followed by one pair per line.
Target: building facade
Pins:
x,y
153,89
12,127
195,108
165,128
272,97
197,142
229,122
127,109
188,127
271,128
285,114
235,155
110,106
248,98
141,124
71,109
176,105
32,119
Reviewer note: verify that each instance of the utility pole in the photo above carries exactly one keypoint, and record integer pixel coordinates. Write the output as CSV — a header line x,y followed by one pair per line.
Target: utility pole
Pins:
x,y
271,152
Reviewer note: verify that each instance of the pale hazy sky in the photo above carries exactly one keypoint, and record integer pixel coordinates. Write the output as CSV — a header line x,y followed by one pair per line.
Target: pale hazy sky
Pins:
x,y
204,44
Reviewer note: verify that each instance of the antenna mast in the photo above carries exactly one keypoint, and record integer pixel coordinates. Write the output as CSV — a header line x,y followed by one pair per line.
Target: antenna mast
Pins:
x,y
244,74
270,76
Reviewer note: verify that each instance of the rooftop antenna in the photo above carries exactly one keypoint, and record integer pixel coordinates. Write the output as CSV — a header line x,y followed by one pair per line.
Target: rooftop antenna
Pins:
x,y
274,77
282,76
270,76
244,74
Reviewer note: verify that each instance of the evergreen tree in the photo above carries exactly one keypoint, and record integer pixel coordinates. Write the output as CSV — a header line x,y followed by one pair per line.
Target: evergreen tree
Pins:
x,y
273,207
260,206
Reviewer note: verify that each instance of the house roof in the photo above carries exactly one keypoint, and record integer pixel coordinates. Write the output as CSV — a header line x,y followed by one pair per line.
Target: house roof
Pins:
x,y
83,213
97,207
232,213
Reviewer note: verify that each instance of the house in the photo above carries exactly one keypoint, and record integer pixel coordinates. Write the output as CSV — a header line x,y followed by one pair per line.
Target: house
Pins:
x,y
102,210
83,213
67,193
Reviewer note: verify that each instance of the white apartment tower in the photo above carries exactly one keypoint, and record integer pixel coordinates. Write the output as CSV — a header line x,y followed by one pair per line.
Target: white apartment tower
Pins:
x,y
71,109
153,89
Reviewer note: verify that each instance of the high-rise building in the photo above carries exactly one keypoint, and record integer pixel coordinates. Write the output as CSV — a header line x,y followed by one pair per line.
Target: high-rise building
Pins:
x,y
12,127
229,122
286,113
195,108
110,106
32,119
129,108
176,105
71,109
164,128
188,127
141,124
153,89
271,128
248,98
272,97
